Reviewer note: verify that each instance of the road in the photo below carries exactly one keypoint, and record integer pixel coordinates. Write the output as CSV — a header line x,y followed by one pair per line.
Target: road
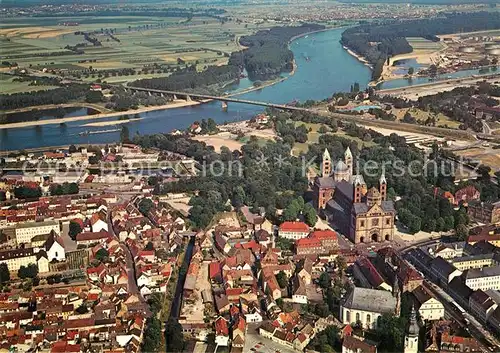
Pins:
x,y
132,282
475,328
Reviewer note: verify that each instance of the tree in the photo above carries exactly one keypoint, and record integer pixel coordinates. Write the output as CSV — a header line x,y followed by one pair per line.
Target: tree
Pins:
x,y
411,71
72,149
101,255
30,271
149,246
173,336
324,280
462,232
94,97
152,335
282,279
4,273
74,229
310,215
323,129
145,205
124,134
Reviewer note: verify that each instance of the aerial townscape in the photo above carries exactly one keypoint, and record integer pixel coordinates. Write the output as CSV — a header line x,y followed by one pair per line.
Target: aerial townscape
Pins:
x,y
215,176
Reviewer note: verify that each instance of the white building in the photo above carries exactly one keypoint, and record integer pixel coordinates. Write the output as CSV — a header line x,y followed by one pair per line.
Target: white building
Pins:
x,y
54,247
483,278
26,231
293,230
366,306
428,307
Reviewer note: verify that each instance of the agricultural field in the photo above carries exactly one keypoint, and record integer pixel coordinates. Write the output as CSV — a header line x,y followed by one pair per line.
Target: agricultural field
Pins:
x,y
8,85
147,45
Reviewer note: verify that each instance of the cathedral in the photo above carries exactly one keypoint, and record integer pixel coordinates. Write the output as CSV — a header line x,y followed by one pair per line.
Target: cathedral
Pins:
x,y
362,215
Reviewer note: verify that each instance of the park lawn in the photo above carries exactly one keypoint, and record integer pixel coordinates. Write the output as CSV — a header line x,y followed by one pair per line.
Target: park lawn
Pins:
x,y
423,115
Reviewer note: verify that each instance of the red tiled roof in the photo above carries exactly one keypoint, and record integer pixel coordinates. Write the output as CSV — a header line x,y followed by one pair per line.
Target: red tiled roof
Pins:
x,y
214,269
221,327
324,234
294,227
308,243
92,236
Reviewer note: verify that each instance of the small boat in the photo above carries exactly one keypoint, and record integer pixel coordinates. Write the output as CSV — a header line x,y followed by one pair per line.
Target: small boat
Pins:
x,y
224,106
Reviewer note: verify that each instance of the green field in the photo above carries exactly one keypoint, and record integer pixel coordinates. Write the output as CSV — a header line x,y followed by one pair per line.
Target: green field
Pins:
x,y
135,43
423,45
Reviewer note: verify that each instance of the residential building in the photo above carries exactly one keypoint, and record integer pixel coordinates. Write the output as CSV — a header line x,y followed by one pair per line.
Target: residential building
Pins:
x,y
27,231
475,261
483,278
443,271
428,307
483,303
484,212
355,344
466,195
293,230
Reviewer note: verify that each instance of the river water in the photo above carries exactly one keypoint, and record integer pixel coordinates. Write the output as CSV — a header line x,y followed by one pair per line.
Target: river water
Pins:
x,y
329,69
323,68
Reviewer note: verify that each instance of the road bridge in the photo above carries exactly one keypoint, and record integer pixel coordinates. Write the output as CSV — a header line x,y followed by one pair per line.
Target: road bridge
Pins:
x,y
359,119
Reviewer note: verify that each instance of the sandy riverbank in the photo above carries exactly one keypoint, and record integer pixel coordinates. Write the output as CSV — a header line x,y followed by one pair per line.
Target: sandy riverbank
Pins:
x,y
177,104
108,123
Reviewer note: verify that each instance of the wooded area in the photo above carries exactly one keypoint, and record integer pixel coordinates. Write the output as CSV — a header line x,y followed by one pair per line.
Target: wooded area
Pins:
x,y
390,37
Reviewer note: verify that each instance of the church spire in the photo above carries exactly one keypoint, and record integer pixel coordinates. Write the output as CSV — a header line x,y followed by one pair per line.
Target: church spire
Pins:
x,y
326,164
383,186
411,337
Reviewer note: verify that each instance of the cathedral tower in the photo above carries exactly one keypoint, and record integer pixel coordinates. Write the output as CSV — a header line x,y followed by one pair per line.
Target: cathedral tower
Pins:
x,y
383,187
326,164
349,161
411,337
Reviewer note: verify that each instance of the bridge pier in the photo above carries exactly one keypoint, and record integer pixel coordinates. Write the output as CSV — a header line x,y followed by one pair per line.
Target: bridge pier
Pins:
x,y
188,98
175,97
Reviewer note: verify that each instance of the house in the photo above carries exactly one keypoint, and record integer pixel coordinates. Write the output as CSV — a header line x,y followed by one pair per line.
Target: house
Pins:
x,y
304,270
368,276
87,238
239,332
355,344
483,278
221,332
299,293
98,222
466,195
293,230
443,271
483,303
428,307
484,212
254,314
366,306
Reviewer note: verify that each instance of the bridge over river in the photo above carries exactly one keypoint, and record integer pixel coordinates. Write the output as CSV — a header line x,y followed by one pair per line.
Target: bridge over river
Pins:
x,y
359,119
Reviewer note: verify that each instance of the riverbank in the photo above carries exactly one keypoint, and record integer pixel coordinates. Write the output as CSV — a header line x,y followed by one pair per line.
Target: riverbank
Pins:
x,y
100,116
149,109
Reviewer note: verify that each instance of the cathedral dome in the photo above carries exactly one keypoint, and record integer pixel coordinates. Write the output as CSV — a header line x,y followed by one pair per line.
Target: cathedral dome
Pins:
x,y
341,167
373,193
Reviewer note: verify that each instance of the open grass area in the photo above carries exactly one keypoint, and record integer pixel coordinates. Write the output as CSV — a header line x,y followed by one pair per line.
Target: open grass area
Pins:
x,y
423,115
8,85
423,45
126,42
313,137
